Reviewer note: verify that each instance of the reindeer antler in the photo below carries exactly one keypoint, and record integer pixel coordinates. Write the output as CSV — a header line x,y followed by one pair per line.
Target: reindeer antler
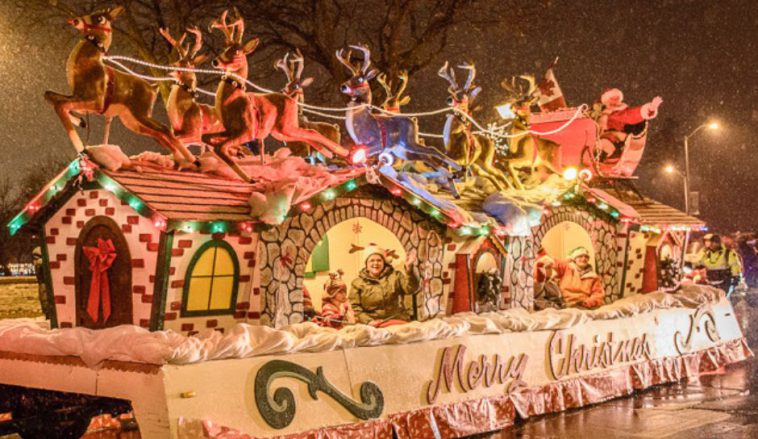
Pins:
x,y
221,25
403,76
182,51
239,24
386,85
298,62
448,73
366,56
532,84
198,40
345,60
282,65
228,28
471,75
394,96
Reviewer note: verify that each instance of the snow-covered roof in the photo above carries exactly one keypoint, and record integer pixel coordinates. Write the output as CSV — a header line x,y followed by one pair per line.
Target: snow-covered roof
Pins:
x,y
285,185
656,214
184,199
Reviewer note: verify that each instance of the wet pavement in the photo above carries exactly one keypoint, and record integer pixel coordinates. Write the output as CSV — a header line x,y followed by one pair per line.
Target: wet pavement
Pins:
x,y
714,406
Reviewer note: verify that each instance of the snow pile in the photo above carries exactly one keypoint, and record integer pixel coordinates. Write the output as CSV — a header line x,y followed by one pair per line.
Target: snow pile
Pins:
x,y
124,343
281,181
131,343
285,180
109,157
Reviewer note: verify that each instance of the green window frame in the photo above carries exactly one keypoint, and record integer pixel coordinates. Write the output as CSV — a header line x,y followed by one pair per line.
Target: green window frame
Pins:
x,y
215,283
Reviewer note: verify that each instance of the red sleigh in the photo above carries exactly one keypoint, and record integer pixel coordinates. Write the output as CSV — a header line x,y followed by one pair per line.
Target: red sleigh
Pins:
x,y
580,139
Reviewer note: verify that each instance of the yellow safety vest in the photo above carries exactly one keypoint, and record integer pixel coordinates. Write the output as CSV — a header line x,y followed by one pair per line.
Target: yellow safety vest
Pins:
x,y
721,259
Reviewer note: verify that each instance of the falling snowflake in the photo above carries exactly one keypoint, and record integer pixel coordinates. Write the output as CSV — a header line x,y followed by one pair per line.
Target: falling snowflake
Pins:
x,y
357,228
498,134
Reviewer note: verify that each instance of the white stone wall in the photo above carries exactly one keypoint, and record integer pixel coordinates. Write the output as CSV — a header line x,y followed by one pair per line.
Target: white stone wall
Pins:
x,y
62,232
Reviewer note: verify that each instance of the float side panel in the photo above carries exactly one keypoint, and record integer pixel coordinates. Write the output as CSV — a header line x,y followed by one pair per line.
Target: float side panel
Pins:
x,y
146,393
223,391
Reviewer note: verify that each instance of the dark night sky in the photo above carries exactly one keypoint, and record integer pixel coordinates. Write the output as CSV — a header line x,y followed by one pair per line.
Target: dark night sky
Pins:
x,y
700,56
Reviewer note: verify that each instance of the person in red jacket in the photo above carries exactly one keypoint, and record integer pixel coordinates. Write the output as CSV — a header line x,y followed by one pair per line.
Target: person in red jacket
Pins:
x,y
580,286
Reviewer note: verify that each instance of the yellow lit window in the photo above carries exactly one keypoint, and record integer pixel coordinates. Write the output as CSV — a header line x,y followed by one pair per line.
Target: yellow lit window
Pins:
x,y
211,283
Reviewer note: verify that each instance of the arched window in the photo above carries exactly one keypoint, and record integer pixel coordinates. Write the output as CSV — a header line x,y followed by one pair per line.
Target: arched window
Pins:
x,y
212,278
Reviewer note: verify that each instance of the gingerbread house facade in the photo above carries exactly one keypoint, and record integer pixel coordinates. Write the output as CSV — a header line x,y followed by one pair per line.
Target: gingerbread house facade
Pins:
x,y
188,254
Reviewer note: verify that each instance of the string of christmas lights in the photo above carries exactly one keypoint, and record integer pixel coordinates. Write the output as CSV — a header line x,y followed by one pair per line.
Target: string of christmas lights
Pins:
x,y
315,109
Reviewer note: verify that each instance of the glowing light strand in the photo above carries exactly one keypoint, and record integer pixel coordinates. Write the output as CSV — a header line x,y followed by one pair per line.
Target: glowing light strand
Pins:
x,y
126,69
482,130
328,116
425,113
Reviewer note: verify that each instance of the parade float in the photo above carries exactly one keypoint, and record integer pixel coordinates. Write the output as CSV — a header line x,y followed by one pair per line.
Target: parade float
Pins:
x,y
199,294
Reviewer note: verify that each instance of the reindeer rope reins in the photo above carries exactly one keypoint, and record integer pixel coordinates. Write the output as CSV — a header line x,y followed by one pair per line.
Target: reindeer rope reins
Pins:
x,y
315,109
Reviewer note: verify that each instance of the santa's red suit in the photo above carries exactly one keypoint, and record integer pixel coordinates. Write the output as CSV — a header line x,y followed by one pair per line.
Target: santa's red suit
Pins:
x,y
617,115
618,120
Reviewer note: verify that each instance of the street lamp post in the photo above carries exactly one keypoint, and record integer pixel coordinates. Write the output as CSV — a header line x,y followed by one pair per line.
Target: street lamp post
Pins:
x,y
709,125
670,170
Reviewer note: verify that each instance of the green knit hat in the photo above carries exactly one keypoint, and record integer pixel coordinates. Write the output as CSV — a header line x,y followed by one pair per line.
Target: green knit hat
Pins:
x,y
579,251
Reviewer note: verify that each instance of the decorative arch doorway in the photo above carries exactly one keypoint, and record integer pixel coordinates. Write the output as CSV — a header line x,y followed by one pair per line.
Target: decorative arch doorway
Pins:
x,y
564,237
101,238
341,248
284,251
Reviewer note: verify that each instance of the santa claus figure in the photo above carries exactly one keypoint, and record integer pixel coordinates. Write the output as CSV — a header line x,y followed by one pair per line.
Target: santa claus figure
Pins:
x,y
618,120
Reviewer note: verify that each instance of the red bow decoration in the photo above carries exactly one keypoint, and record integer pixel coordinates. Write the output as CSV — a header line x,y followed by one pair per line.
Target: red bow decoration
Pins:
x,y
100,260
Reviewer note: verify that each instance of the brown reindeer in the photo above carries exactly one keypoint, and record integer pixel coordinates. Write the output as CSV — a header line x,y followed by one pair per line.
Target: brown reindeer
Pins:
x,y
472,151
526,152
247,116
102,90
394,99
189,119
292,66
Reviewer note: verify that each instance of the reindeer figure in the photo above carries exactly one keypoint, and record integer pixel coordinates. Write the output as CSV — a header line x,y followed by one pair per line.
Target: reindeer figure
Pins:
x,y
102,90
472,151
526,151
394,99
396,135
292,66
247,116
189,119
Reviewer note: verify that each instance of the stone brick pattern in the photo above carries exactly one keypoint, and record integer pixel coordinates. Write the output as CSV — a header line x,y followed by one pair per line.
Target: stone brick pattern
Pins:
x,y
517,278
62,231
247,307
635,264
283,252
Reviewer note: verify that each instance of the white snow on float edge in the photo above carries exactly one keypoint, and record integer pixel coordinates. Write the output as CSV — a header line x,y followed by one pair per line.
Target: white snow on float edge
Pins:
x,y
136,344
